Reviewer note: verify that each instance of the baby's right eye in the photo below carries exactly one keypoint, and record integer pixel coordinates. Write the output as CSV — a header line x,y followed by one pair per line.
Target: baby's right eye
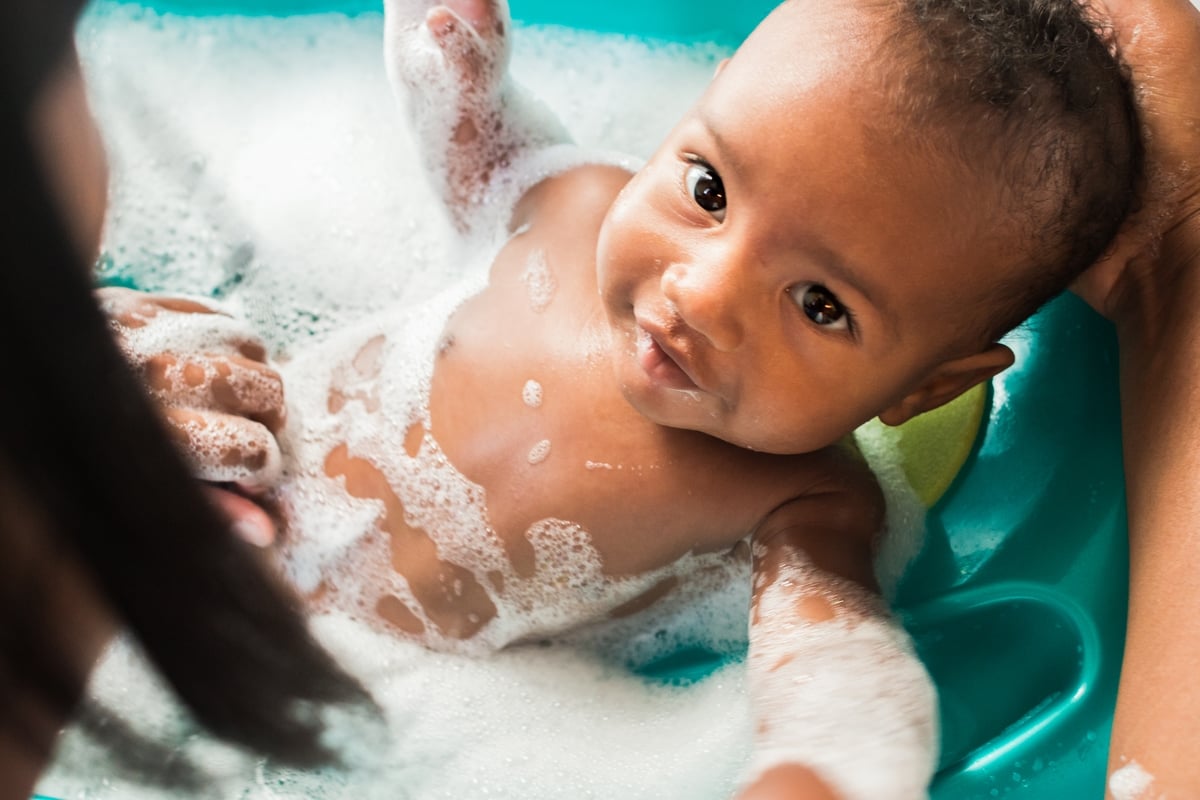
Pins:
x,y
706,188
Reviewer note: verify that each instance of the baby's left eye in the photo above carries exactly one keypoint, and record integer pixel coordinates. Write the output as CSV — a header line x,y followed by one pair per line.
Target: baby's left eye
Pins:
x,y
821,306
706,188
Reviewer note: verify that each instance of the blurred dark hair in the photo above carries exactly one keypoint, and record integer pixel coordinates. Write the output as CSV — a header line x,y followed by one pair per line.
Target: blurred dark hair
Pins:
x,y
84,452
1029,91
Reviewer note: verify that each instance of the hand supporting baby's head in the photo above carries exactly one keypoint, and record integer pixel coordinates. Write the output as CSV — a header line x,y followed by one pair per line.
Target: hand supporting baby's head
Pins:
x,y
1029,93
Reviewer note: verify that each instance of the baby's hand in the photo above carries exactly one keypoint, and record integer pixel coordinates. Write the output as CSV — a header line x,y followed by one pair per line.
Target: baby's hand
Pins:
x,y
209,373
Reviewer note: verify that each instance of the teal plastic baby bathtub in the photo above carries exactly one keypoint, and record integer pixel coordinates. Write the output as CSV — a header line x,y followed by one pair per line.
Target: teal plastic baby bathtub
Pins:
x,y
1017,601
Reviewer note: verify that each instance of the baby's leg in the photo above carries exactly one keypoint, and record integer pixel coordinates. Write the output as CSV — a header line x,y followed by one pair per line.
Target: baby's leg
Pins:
x,y
449,65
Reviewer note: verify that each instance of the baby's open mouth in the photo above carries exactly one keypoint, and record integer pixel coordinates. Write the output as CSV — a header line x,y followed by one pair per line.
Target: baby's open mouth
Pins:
x,y
660,364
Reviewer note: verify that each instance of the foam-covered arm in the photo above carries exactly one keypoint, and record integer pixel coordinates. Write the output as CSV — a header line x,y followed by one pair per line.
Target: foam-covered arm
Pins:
x,y
842,706
448,65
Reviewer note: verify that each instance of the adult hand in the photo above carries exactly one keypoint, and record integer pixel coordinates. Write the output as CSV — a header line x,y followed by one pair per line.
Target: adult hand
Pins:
x,y
218,395
1160,41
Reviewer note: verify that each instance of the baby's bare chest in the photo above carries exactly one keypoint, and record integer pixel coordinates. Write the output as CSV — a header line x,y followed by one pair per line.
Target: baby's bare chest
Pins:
x,y
522,484
525,403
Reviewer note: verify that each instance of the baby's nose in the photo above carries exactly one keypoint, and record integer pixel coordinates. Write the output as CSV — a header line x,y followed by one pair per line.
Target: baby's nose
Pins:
x,y
708,298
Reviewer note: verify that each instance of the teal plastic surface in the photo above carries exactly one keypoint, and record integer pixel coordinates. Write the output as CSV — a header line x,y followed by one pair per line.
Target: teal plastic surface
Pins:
x,y
1017,602
694,20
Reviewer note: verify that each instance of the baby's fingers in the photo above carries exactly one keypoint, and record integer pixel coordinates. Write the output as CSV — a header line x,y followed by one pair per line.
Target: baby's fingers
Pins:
x,y
223,448
230,384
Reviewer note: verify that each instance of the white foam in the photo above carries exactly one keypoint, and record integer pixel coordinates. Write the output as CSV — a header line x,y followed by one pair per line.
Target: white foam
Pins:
x,y
539,281
531,394
539,452
260,148
882,739
1130,782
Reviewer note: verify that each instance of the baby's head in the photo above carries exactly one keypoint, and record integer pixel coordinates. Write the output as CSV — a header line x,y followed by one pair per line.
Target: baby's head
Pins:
x,y
870,193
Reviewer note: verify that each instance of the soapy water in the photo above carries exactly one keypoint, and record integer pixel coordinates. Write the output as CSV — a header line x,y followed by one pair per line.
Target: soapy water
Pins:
x,y
263,161
246,151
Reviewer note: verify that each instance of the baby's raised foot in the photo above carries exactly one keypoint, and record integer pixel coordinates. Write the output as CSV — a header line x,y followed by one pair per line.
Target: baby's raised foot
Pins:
x,y
448,65
470,39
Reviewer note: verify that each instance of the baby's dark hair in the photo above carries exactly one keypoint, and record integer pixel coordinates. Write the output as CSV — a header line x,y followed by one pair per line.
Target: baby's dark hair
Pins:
x,y
1030,91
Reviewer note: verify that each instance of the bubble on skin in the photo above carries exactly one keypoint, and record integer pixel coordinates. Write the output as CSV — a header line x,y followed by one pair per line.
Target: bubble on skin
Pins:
x,y
539,281
539,452
532,394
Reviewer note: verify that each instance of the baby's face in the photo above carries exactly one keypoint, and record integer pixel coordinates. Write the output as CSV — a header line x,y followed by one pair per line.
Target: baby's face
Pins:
x,y
792,262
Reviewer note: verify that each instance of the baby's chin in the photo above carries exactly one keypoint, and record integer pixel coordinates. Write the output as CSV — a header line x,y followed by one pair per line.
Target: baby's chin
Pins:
x,y
706,423
758,441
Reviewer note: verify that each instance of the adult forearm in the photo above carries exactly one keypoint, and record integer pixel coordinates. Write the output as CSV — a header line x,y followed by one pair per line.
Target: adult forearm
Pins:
x,y
1158,711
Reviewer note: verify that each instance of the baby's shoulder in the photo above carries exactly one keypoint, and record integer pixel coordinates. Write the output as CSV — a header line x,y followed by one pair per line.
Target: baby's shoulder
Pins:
x,y
836,476
580,195
839,467
726,482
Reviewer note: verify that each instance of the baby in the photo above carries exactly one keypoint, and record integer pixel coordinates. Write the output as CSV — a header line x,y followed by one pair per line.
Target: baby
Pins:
x,y
650,393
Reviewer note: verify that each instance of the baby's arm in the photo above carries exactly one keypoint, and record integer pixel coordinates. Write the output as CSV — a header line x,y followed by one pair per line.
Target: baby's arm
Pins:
x,y
218,396
843,708
449,66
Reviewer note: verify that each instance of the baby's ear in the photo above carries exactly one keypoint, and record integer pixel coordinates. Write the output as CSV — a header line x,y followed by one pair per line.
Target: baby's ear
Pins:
x,y
947,381
720,66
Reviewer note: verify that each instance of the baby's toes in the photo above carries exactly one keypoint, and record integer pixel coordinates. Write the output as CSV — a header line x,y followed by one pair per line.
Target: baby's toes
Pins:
x,y
463,48
487,17
476,54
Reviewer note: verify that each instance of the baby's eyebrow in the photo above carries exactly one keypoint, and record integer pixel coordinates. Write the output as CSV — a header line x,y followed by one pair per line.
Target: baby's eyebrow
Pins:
x,y
729,154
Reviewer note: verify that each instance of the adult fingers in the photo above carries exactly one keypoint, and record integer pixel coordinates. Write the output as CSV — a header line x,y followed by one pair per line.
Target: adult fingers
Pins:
x,y
230,384
247,519
1160,41
148,324
224,448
